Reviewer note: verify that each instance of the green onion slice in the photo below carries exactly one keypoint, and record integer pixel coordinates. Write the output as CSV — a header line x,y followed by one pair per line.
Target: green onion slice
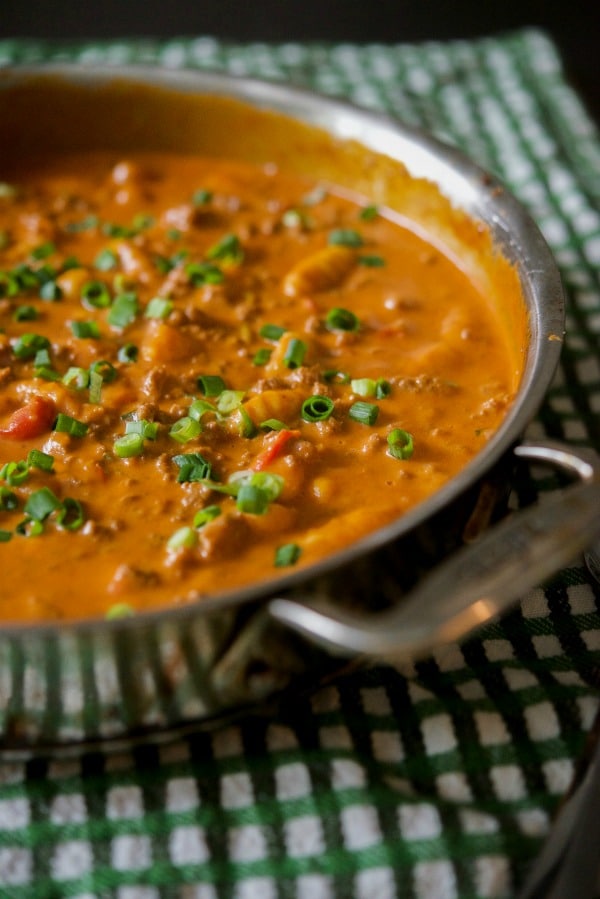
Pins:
x,y
368,213
129,445
66,425
41,503
205,515
272,424
228,249
105,369
252,500
317,408
345,237
339,319
262,356
28,345
192,467
184,538
124,310
25,314
128,353
38,459
77,378
148,429
85,329
211,385
201,273
15,473
272,332
229,401
288,554
95,295
364,413
295,353
400,444
71,515
9,501
106,260
159,307
185,429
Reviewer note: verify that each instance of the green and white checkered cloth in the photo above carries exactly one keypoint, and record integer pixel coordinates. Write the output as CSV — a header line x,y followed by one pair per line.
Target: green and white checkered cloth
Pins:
x,y
433,781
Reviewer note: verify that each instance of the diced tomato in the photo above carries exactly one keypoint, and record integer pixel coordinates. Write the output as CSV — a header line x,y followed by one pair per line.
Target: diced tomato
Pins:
x,y
34,418
274,448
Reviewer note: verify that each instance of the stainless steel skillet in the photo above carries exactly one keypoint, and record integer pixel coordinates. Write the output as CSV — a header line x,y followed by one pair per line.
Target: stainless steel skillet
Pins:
x,y
69,685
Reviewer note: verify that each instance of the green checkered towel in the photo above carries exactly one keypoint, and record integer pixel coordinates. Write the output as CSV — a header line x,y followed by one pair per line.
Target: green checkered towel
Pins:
x,y
432,781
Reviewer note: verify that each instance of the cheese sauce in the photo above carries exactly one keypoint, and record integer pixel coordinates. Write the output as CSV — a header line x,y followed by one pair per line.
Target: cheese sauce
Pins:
x,y
211,371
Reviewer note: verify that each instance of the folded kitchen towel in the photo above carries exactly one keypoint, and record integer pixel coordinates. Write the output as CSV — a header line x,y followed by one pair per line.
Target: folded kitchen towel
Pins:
x,y
431,781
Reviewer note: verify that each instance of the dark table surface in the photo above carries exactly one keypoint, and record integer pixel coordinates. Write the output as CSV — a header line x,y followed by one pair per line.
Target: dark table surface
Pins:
x,y
574,26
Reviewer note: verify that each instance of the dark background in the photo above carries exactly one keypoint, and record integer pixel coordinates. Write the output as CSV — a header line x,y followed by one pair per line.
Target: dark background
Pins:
x,y
573,24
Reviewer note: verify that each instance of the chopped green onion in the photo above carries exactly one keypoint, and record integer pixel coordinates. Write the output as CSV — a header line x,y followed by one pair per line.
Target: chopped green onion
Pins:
x,y
211,385
345,237
42,357
5,536
50,291
67,425
9,501
192,467
363,386
199,408
106,260
229,400
128,353
119,610
47,373
228,249
71,515
184,538
246,427
86,224
123,310
339,319
383,388
105,369
41,503
271,484
272,332
95,295
95,387
262,356
334,376
201,273
400,444
295,353
25,314
316,408
29,528
205,515
27,345
253,500
38,459
148,429
364,413
159,307
201,197
15,473
288,554
368,213
76,378
43,250
129,445
85,329
272,424
185,429
371,261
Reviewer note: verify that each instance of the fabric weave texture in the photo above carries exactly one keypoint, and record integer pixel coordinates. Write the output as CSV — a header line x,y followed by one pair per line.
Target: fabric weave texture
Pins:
x,y
429,781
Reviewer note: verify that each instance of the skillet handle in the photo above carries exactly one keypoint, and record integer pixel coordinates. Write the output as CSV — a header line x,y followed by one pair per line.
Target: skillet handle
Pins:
x,y
478,582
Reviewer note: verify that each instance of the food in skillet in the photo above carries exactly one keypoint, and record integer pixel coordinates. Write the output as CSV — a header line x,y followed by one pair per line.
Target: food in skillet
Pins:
x,y
212,371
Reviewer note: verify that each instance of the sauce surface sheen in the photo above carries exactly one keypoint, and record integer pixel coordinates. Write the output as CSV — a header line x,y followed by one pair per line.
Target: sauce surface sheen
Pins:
x,y
134,295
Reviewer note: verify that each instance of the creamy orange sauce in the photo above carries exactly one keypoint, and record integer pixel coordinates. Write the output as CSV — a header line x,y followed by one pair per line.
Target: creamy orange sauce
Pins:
x,y
206,253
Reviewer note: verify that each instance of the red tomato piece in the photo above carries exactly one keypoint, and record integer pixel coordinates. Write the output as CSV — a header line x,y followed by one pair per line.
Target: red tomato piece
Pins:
x,y
34,418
